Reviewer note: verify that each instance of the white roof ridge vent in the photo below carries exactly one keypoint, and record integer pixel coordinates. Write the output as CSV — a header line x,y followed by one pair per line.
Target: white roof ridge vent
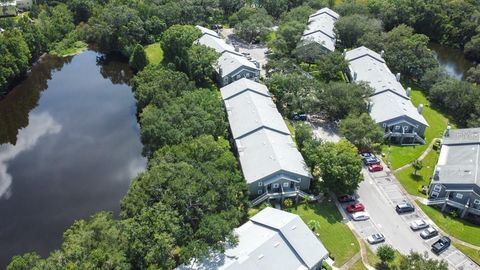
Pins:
x,y
260,256
276,244
294,227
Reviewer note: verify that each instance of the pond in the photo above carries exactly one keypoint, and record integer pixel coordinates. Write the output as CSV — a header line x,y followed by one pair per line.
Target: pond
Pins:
x,y
69,147
451,60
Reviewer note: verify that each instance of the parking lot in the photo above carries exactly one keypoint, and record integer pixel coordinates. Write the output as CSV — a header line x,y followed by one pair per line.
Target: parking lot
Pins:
x,y
380,193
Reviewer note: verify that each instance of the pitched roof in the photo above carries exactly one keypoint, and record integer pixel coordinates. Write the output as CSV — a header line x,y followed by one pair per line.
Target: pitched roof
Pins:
x,y
251,111
219,45
459,161
229,62
242,85
266,152
207,31
272,239
320,28
370,67
387,105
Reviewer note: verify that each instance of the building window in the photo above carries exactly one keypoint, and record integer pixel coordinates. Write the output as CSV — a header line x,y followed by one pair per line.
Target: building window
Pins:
x,y
476,201
459,196
259,191
437,188
276,185
397,127
405,128
384,125
434,194
260,183
285,184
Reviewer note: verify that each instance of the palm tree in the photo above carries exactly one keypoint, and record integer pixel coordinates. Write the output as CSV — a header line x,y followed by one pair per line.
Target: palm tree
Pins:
x,y
314,225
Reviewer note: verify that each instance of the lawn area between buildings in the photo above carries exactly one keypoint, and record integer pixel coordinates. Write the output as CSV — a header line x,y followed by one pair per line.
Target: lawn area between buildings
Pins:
x,y
402,155
456,227
411,182
154,53
336,236
358,265
470,252
373,259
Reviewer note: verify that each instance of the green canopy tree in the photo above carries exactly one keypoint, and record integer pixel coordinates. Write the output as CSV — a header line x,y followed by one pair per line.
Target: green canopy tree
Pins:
x,y
418,261
473,74
138,59
330,67
362,131
350,29
417,165
201,61
386,254
175,43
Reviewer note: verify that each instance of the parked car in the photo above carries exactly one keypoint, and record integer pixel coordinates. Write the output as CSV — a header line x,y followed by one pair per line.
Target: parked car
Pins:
x,y
441,245
346,198
299,117
375,167
217,26
355,207
429,233
366,155
360,216
404,208
376,238
371,160
418,224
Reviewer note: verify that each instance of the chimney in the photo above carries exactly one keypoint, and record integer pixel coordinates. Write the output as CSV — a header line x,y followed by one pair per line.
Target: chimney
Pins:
x,y
220,71
398,77
382,53
420,108
237,49
344,52
447,131
354,75
408,91
369,106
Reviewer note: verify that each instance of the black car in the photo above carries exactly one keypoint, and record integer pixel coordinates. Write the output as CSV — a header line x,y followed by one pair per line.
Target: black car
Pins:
x,y
299,117
404,208
441,245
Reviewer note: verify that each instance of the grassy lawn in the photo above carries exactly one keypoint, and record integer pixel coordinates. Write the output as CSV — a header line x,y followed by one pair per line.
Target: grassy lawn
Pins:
x,y
402,155
154,53
373,260
411,182
336,236
457,228
358,265
470,252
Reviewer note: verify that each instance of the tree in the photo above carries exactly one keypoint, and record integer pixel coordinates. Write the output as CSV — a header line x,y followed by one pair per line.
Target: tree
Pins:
x,y
185,117
26,261
303,134
201,61
14,57
418,261
472,48
473,74
350,29
290,30
338,165
314,225
230,6
330,67
56,22
255,26
339,99
138,58
386,254
362,131
175,43
157,85
431,77
417,165
274,7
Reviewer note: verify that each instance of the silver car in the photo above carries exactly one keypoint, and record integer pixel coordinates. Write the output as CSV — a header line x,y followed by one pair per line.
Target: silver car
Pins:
x,y
376,238
429,233
418,224
360,216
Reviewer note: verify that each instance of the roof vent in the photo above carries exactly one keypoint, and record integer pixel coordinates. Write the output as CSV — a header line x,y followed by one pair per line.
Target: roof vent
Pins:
x,y
447,131
436,174
408,91
382,53
420,108
260,256
294,227
276,244
397,77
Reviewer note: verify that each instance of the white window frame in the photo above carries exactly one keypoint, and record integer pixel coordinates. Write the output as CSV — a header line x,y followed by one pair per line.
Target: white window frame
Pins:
x,y
405,128
459,196
437,188
397,127
286,184
259,191
434,194
260,184
476,201
275,185
384,125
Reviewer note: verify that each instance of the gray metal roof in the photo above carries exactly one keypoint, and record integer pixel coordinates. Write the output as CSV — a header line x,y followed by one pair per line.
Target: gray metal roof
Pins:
x,y
230,62
272,239
218,44
387,106
241,86
267,152
320,28
207,31
459,161
250,111
390,99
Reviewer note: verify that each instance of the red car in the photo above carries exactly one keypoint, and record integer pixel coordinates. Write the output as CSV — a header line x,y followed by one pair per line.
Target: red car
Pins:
x,y
356,207
346,198
375,167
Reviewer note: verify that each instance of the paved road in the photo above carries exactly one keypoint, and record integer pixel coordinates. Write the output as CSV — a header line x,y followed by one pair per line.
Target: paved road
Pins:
x,y
380,193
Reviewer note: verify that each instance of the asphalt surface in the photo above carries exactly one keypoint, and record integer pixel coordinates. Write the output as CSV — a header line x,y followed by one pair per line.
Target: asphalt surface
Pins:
x,y
380,193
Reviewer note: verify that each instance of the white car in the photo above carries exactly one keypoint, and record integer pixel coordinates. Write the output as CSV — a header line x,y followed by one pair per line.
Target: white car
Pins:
x,y
418,224
376,238
360,216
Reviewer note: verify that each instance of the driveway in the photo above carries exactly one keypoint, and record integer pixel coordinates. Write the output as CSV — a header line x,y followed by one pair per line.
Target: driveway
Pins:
x,y
324,131
380,193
